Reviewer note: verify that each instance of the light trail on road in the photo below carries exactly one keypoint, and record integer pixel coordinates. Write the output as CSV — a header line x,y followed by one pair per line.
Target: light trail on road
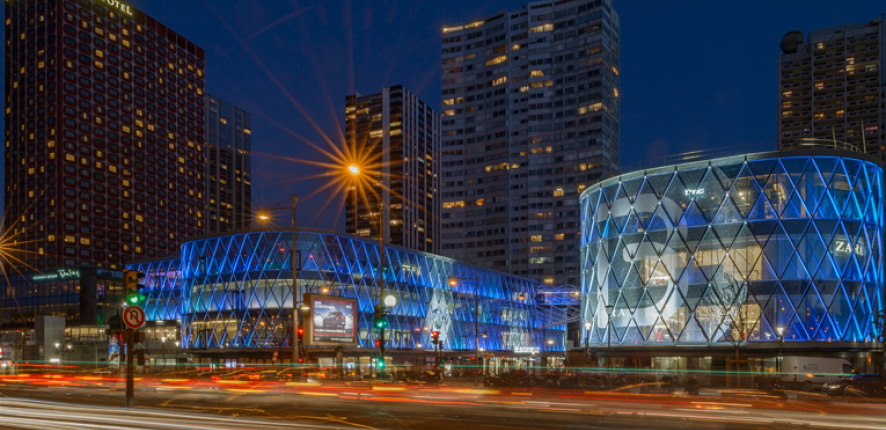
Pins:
x,y
16,414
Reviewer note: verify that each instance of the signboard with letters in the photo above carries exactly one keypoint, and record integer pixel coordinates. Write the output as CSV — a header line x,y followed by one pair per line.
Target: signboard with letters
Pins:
x,y
56,275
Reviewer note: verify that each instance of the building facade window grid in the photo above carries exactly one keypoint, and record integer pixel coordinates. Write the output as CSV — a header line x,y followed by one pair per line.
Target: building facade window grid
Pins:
x,y
755,249
530,118
229,166
104,134
236,293
400,133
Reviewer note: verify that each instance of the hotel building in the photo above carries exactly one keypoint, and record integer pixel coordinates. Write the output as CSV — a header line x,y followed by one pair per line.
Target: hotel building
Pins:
x,y
104,155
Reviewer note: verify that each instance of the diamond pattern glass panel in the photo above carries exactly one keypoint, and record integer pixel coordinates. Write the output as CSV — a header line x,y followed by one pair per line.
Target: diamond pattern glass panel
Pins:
x,y
755,249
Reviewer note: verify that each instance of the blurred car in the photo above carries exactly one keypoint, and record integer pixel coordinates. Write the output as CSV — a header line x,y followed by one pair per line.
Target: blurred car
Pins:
x,y
864,384
230,376
334,320
265,375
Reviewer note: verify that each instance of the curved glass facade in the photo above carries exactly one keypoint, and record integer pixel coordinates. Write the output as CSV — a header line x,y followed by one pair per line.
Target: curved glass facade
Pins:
x,y
755,248
236,292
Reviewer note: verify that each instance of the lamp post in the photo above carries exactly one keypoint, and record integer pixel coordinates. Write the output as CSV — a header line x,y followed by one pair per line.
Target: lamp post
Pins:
x,y
587,339
453,281
608,336
780,332
356,171
265,217
57,357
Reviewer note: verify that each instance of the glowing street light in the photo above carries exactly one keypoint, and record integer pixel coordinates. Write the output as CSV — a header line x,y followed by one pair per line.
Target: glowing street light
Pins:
x,y
354,169
264,216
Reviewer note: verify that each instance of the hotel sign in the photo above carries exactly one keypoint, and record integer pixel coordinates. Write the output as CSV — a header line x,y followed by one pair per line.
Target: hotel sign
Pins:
x,y
59,274
125,8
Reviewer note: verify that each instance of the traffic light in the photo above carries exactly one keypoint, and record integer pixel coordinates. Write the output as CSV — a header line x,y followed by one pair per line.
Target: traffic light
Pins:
x,y
132,287
301,335
381,364
379,317
435,337
377,343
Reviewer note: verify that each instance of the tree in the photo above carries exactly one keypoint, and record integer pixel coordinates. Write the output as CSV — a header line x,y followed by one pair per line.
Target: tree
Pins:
x,y
729,311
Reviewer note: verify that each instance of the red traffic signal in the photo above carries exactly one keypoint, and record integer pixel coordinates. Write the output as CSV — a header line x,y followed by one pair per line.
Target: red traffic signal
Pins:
x,y
435,335
301,330
378,344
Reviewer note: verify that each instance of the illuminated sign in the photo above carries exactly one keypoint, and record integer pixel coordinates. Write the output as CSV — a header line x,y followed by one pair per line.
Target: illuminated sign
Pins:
x,y
846,248
331,321
59,274
125,8
526,349
695,192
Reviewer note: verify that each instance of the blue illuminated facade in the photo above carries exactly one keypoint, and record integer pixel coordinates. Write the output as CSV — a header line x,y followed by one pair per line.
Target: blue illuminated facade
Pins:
x,y
235,291
758,248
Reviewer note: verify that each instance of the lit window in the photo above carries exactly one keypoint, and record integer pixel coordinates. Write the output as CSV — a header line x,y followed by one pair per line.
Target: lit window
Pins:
x,y
497,60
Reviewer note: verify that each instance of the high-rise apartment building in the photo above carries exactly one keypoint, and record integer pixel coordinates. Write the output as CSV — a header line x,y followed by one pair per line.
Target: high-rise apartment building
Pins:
x,y
104,157
400,134
832,88
530,119
229,167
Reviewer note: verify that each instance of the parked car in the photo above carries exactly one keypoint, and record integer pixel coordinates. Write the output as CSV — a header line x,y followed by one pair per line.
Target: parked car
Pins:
x,y
809,373
334,320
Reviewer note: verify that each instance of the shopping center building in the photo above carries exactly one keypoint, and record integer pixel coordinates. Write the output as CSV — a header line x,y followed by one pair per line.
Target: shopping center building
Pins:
x,y
232,294
770,254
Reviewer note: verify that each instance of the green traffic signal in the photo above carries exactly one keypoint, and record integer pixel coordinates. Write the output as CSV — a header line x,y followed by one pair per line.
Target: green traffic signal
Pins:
x,y
381,364
136,299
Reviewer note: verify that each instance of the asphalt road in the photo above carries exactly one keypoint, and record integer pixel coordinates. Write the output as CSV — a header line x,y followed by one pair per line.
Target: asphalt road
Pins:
x,y
99,408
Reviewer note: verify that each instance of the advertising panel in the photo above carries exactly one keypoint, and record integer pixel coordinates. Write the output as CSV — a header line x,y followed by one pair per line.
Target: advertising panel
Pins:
x,y
331,321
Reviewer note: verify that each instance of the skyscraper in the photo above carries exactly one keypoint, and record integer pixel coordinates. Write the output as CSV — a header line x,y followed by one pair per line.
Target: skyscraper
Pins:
x,y
104,157
832,88
229,167
530,119
401,134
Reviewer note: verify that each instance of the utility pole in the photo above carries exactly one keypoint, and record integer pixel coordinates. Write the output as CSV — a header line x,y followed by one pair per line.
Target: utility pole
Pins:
x,y
129,334
295,310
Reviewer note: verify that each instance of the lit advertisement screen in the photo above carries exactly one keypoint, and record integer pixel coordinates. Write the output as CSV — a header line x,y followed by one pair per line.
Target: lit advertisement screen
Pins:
x,y
332,321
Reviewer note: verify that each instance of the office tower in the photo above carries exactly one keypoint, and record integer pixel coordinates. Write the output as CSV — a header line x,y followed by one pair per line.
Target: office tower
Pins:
x,y
832,88
104,150
229,167
530,119
400,134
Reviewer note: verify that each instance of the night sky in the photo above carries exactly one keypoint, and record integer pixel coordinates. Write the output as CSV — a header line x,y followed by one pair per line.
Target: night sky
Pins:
x,y
694,75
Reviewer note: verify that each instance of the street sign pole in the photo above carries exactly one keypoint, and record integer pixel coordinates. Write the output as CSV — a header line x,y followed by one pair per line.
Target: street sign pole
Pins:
x,y
134,318
130,352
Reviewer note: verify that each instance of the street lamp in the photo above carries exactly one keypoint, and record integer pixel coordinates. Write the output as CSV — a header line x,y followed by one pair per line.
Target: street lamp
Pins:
x,y
609,309
356,171
264,216
780,332
587,337
57,359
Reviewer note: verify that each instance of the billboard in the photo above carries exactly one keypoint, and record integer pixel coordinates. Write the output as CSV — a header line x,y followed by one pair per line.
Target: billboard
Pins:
x,y
331,321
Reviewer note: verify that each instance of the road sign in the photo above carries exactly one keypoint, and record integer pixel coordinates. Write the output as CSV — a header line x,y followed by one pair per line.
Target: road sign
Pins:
x,y
134,317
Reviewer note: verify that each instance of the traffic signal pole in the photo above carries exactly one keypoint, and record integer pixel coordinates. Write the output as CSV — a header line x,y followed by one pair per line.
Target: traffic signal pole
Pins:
x,y
130,353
